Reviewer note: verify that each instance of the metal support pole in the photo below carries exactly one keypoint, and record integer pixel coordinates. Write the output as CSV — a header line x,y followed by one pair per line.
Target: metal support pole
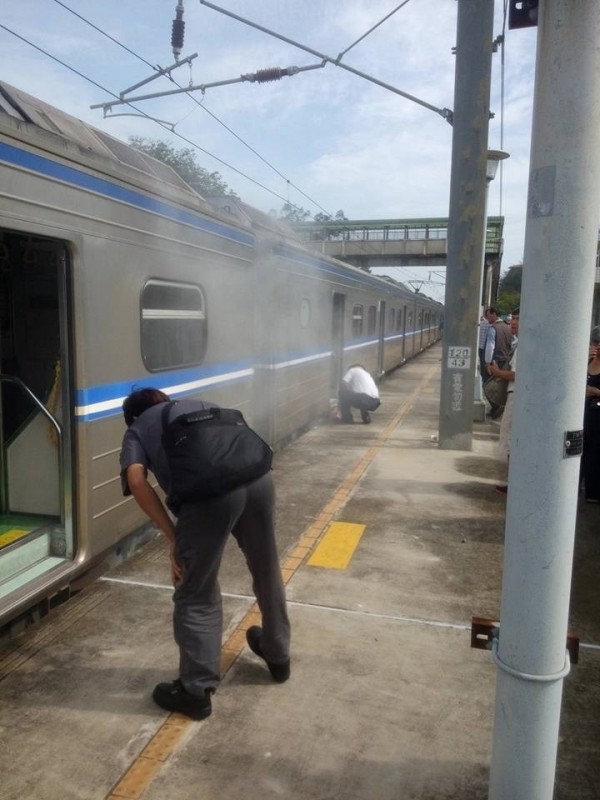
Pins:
x,y
466,220
558,278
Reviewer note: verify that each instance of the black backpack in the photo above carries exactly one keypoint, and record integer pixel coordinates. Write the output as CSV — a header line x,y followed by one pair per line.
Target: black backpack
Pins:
x,y
210,452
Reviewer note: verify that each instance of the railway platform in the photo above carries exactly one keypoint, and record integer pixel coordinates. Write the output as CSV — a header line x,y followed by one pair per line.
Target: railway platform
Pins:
x,y
388,546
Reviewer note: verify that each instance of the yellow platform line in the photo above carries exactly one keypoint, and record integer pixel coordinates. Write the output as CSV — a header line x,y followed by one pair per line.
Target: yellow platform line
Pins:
x,y
134,782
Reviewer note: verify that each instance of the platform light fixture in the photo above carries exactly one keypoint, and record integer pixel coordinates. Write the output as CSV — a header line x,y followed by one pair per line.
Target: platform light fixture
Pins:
x,y
494,157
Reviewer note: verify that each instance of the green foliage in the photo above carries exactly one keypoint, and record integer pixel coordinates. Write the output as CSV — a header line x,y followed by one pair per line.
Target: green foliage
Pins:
x,y
293,214
183,161
323,218
509,289
507,302
511,280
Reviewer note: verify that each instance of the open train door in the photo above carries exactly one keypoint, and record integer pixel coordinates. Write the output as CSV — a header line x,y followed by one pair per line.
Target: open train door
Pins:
x,y
36,533
337,342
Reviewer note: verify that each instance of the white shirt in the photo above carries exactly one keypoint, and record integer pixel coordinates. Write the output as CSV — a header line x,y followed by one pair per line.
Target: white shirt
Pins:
x,y
358,380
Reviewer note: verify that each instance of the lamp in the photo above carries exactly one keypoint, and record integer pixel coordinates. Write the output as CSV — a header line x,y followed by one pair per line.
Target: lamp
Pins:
x,y
494,157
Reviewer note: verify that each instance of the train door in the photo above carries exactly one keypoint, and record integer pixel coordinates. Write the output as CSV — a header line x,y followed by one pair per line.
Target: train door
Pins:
x,y
404,334
337,342
380,354
36,532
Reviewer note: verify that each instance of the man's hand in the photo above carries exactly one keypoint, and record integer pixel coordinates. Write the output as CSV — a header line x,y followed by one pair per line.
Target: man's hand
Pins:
x,y
176,568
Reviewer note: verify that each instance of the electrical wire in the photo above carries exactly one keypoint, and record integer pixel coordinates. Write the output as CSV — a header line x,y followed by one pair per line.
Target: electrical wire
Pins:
x,y
198,103
364,36
142,113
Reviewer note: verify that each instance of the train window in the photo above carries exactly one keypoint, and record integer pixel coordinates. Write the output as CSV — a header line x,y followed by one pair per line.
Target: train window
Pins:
x,y
399,321
409,324
357,320
392,322
173,332
371,319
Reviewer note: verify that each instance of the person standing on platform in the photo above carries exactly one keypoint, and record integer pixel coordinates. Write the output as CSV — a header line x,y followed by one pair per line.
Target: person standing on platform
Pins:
x,y
196,543
508,375
484,326
498,348
499,342
590,462
358,390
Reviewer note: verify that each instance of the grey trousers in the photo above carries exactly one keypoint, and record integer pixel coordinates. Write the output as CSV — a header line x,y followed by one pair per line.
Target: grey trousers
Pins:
x,y
201,534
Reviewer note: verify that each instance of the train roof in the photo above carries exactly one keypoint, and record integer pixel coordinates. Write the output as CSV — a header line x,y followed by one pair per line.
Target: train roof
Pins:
x,y
91,141
128,164
255,218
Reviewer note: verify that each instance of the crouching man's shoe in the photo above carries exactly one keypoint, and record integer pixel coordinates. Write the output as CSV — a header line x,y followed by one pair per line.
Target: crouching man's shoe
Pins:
x,y
173,697
279,672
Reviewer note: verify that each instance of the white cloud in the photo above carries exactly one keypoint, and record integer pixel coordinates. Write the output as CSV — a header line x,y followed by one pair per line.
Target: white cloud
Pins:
x,y
344,141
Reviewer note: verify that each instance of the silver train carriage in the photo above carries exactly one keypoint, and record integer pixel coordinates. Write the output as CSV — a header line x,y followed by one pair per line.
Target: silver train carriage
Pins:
x,y
114,274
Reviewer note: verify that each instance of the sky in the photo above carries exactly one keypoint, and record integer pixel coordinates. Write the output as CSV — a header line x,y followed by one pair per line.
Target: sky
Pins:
x,y
324,139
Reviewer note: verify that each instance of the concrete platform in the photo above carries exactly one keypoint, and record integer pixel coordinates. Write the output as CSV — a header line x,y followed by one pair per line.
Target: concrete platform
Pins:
x,y
386,700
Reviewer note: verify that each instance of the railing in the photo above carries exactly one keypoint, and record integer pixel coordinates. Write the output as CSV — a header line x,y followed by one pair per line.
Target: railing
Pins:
x,y
391,230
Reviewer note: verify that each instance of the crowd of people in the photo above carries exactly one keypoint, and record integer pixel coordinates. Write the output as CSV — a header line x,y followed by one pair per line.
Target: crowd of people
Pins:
x,y
590,463
498,344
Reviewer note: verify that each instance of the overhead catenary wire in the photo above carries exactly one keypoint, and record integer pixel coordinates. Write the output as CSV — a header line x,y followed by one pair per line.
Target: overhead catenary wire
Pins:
x,y
141,112
199,104
445,113
364,36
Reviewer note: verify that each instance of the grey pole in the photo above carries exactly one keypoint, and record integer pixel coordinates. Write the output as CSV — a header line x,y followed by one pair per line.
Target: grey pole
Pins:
x,y
466,220
556,303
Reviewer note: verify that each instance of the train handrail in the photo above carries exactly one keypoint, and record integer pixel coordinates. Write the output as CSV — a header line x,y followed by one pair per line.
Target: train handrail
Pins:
x,y
12,379
59,432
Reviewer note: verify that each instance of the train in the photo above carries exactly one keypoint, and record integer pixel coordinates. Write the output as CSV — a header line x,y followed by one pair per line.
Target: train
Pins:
x,y
115,274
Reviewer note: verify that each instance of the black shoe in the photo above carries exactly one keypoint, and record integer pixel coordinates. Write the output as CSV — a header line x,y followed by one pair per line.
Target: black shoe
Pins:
x,y
279,672
173,697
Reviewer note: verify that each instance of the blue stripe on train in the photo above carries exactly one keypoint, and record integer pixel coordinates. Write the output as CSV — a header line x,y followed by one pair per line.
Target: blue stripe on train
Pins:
x,y
75,177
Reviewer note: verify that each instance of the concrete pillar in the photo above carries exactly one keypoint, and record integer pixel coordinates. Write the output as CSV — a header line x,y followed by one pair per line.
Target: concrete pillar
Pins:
x,y
558,281
466,221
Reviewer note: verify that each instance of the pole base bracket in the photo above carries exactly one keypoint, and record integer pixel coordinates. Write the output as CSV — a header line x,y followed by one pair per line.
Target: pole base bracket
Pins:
x,y
484,631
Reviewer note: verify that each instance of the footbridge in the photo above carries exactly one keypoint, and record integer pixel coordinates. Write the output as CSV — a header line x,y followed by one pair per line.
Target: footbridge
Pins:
x,y
396,242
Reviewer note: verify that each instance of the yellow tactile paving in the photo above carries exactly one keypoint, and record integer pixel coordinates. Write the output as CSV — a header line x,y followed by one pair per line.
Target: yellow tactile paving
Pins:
x,y
141,773
13,535
336,548
137,778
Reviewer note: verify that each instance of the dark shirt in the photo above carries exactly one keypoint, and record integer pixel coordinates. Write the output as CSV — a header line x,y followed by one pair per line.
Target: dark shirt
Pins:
x,y
142,441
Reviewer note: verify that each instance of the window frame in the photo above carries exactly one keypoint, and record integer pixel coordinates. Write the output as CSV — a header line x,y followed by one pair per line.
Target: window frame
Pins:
x,y
196,342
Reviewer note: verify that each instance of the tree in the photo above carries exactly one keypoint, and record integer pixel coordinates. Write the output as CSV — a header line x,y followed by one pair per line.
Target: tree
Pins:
x,y
324,218
507,302
183,161
509,289
511,280
327,232
293,214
